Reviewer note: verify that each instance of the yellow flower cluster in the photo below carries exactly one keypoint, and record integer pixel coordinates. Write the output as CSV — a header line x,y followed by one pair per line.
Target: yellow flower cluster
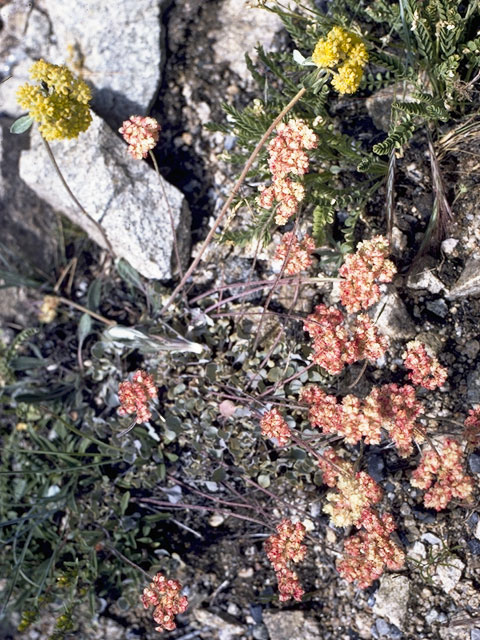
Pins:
x,y
345,51
59,103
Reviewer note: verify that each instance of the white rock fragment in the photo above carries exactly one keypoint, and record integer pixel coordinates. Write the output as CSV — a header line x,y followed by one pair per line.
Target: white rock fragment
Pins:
x,y
448,574
394,320
391,599
448,245
425,280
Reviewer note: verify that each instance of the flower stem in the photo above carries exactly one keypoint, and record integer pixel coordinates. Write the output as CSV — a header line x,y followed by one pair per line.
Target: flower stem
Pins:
x,y
72,196
170,214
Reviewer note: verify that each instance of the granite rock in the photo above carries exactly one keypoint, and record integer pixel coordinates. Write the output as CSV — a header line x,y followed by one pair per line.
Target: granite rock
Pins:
x,y
124,195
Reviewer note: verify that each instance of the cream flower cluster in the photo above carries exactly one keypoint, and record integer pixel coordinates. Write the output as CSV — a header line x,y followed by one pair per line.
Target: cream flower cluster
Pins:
x,y
294,253
451,480
354,491
335,344
362,270
165,596
141,133
425,370
287,157
281,550
273,425
371,550
134,396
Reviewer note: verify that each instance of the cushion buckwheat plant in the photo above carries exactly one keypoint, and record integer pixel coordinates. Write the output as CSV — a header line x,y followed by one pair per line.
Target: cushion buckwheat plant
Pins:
x,y
134,396
425,370
296,254
59,103
283,548
141,133
287,157
371,550
165,596
447,464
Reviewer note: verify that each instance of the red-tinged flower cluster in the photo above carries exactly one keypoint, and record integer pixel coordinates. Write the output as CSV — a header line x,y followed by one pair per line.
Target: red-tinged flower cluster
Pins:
x,y
390,407
371,550
273,425
282,549
471,431
396,409
426,371
345,418
287,156
134,396
295,254
362,270
447,465
334,344
354,491
165,596
141,133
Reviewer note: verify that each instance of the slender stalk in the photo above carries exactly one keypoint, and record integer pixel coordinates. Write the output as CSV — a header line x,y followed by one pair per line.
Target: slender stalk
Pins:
x,y
91,313
72,196
170,214
227,204
128,561
196,507
209,497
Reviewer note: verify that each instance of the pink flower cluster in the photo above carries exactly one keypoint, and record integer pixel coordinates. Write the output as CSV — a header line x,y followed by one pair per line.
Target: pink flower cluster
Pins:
x,y
354,491
141,133
287,156
471,431
134,396
361,271
371,550
295,254
426,371
165,596
390,407
334,345
273,425
282,549
451,482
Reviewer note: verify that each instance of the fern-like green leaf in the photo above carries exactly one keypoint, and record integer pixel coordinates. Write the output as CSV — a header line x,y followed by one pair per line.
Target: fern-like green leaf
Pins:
x,y
397,137
323,214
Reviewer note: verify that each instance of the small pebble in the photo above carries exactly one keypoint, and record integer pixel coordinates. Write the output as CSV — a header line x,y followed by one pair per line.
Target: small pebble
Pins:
x,y
474,546
438,307
474,462
424,515
431,539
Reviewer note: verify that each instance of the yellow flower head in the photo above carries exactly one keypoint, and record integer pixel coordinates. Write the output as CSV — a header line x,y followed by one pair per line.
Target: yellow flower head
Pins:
x,y
59,103
340,47
348,77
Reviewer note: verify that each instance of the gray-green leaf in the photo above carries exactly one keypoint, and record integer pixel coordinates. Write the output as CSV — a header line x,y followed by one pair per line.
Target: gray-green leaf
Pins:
x,y
22,124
